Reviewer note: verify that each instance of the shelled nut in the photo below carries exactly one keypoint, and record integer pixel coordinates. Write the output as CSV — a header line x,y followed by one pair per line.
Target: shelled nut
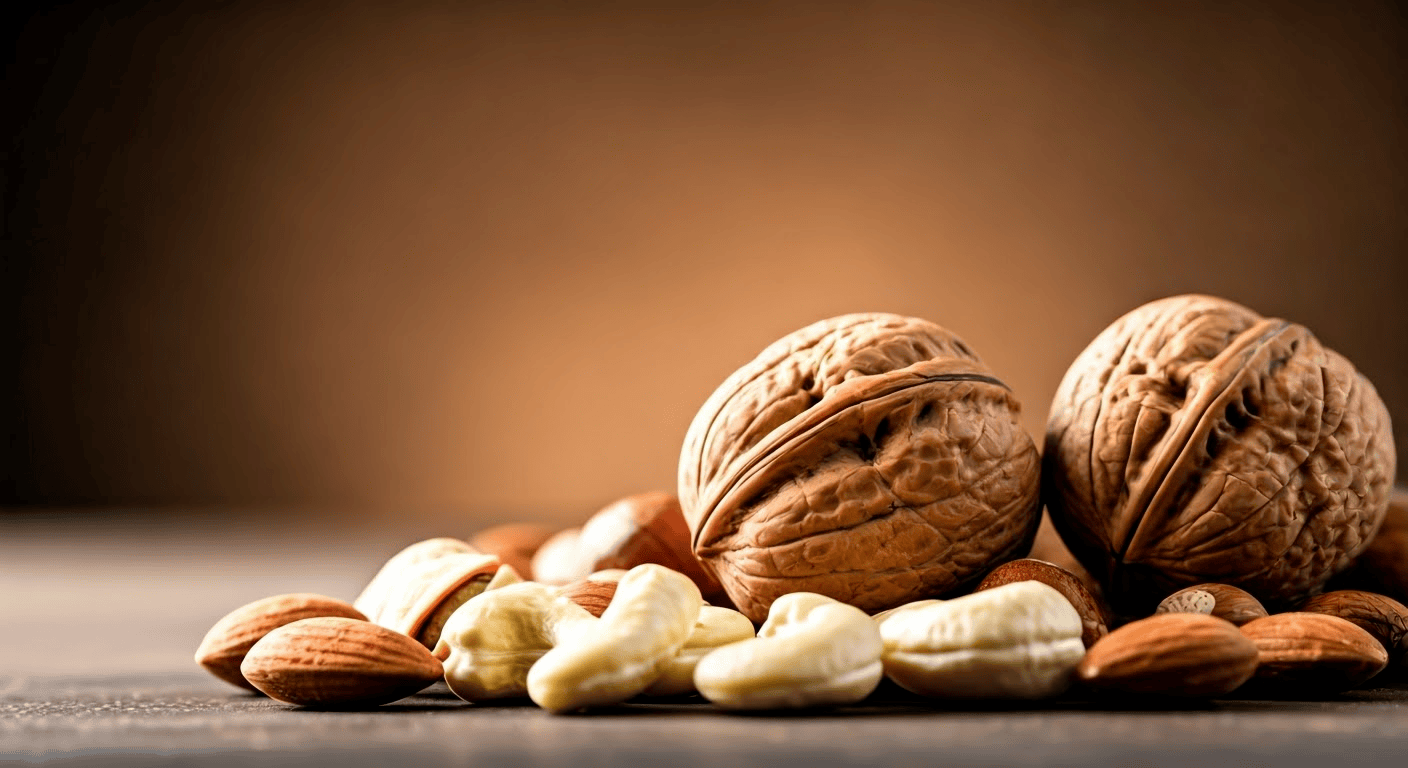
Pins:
x,y
1171,654
1383,617
225,645
1220,600
338,662
1312,653
1091,609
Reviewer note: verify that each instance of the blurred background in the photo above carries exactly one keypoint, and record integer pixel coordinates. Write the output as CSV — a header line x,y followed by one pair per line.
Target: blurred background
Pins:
x,y
461,262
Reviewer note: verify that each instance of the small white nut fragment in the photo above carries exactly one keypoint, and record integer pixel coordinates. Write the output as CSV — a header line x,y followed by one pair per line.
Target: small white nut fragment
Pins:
x,y
491,642
606,662
1188,601
1021,640
716,626
812,651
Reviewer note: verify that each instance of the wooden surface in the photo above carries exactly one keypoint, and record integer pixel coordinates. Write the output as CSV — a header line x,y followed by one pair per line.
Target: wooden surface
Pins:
x,y
102,614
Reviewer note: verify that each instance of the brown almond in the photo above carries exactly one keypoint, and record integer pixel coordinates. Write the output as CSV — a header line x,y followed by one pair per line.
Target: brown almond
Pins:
x,y
335,662
592,595
1221,600
226,644
1313,653
1171,654
513,543
1383,617
1091,609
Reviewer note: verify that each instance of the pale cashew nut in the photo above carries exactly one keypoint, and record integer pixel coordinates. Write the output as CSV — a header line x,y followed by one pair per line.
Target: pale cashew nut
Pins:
x,y
716,626
882,616
812,651
1020,640
493,640
619,655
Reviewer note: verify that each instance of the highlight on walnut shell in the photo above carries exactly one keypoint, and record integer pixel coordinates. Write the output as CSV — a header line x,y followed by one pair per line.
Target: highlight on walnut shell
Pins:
x,y
1197,441
871,458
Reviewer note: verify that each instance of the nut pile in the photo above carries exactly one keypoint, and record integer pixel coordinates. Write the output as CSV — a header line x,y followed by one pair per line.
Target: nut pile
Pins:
x,y
861,494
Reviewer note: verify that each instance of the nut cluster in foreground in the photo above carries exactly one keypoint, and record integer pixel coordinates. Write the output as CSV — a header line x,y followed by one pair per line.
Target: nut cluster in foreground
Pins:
x,y
1210,469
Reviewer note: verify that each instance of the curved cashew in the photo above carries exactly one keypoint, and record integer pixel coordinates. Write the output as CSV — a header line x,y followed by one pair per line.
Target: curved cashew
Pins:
x,y
1020,640
493,640
883,616
716,626
619,655
812,651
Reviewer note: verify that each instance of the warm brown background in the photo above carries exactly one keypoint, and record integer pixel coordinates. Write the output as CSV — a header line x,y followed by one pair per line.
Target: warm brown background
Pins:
x,y
486,260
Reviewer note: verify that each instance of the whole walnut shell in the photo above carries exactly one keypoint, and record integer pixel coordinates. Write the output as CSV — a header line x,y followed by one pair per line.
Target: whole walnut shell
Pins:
x,y
1196,441
871,458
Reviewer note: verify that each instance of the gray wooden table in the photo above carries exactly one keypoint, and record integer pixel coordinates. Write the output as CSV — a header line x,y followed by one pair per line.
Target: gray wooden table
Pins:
x,y
103,611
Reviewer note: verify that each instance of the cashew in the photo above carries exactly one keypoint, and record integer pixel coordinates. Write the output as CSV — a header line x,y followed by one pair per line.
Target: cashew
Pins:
x,y
882,616
716,626
812,651
623,652
1020,640
493,640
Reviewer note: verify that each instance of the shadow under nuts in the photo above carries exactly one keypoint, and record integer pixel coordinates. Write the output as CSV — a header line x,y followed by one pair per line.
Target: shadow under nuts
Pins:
x,y
1195,440
870,458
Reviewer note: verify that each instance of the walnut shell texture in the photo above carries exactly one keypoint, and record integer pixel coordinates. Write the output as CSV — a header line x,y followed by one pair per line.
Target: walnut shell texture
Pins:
x,y
871,458
1196,441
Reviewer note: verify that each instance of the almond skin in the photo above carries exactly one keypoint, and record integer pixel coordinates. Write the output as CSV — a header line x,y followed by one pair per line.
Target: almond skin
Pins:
x,y
1171,654
1091,609
592,595
1383,617
1313,653
226,644
1221,600
336,662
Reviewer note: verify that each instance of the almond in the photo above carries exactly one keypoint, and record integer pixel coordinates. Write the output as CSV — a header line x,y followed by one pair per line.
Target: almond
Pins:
x,y
226,644
592,595
1383,617
336,662
1221,600
1092,611
1313,653
1172,654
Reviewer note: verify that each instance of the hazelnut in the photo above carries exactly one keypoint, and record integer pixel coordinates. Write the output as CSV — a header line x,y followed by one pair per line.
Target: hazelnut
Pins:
x,y
870,458
1195,440
639,529
513,543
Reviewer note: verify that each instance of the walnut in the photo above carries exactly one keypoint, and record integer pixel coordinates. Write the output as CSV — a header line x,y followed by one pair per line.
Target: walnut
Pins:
x,y
1196,441
871,458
